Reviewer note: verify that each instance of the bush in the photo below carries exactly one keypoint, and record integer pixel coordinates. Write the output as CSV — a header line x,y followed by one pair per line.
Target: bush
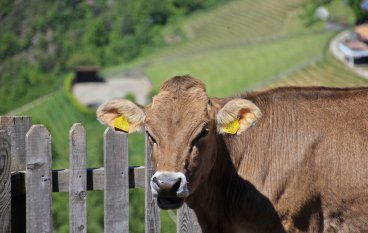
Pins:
x,y
68,89
81,59
130,96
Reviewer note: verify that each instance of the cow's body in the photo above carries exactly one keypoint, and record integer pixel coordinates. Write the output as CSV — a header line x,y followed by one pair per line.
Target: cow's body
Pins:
x,y
307,158
283,160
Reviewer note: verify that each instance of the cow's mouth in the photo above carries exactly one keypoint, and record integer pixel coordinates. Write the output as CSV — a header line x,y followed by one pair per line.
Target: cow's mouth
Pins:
x,y
170,202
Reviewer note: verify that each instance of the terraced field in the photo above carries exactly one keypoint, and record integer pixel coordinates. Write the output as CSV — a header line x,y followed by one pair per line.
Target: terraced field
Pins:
x,y
328,72
238,23
231,70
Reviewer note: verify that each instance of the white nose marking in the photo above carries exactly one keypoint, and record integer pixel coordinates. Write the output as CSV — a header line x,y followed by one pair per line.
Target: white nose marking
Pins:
x,y
161,177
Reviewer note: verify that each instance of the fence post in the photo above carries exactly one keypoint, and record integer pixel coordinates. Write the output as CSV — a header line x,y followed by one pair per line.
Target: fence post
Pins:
x,y
77,179
5,186
38,180
116,182
17,127
152,219
187,221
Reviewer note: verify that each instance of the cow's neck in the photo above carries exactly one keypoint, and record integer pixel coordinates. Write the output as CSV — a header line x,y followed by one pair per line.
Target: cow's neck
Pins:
x,y
227,203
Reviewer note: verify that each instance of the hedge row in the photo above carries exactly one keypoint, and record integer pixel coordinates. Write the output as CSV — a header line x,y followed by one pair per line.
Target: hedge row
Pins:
x,y
68,89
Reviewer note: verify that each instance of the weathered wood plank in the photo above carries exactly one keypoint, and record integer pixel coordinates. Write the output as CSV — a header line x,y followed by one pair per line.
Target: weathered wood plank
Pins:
x,y
187,221
95,180
77,179
38,180
17,127
5,180
116,196
152,220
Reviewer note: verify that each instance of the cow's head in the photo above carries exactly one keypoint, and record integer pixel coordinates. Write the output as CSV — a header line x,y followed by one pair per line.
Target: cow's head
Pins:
x,y
183,125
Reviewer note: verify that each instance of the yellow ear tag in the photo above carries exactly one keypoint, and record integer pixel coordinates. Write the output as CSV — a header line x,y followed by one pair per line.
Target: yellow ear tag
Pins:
x,y
232,127
121,123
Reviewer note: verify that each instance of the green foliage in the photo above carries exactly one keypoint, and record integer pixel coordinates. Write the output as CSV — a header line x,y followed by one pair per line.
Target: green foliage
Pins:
x,y
81,59
43,40
130,96
68,85
310,7
360,14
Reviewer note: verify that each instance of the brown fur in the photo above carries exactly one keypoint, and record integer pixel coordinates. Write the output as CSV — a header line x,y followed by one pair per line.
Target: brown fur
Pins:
x,y
303,167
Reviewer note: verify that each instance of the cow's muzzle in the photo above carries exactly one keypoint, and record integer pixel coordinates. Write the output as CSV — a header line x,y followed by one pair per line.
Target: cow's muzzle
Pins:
x,y
170,188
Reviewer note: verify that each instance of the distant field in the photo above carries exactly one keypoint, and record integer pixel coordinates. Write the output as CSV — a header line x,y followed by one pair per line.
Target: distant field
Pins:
x,y
231,70
328,72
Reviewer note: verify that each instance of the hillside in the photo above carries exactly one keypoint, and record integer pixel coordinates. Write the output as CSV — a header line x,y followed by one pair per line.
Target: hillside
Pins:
x,y
232,48
41,41
328,72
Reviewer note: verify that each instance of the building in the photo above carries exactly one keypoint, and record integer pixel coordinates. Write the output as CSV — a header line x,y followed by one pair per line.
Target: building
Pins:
x,y
355,47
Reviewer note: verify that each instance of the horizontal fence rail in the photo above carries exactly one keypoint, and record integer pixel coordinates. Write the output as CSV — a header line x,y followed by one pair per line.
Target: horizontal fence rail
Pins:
x,y
27,181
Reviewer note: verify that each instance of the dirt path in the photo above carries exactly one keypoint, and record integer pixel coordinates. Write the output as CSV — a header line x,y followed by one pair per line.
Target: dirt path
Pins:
x,y
94,94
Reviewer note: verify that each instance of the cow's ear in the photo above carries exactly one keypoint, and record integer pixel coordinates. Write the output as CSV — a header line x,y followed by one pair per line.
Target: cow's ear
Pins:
x,y
236,116
122,115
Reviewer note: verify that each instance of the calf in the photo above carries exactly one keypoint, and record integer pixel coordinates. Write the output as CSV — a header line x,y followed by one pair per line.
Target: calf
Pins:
x,y
285,160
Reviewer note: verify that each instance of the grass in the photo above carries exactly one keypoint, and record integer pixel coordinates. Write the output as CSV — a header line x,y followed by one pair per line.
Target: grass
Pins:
x,y
329,72
238,22
231,70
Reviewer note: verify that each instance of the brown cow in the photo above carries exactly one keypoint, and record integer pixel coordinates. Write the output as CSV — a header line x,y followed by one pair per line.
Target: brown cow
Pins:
x,y
284,160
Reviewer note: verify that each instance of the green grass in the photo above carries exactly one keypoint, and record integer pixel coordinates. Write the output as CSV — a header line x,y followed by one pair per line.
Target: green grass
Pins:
x,y
329,72
231,70
238,22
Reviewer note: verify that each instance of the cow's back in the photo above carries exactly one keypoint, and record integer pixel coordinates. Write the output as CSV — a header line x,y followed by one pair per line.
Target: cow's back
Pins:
x,y
309,155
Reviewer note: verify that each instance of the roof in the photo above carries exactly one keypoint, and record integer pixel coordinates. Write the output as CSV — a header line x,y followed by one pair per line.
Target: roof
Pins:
x,y
86,69
356,45
362,31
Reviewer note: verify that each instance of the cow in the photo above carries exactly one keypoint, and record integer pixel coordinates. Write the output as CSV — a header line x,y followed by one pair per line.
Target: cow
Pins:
x,y
289,159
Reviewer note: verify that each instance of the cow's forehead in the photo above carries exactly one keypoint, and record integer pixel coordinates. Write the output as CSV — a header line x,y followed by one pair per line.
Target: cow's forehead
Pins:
x,y
177,111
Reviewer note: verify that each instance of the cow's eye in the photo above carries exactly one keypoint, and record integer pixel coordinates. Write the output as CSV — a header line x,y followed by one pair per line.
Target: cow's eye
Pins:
x,y
201,135
150,138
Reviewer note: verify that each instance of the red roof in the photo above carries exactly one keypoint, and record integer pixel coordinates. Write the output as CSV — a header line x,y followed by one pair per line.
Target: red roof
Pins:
x,y
362,31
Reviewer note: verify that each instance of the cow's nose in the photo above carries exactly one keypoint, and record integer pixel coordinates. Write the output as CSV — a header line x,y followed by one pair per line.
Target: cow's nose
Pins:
x,y
169,184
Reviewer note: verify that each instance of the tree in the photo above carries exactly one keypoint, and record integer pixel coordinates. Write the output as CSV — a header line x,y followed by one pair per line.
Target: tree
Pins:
x,y
310,7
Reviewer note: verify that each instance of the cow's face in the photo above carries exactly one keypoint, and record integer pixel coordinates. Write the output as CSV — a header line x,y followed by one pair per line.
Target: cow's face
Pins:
x,y
182,125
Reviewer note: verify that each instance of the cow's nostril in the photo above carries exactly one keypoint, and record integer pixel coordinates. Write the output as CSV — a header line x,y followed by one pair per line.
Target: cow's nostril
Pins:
x,y
176,185
155,180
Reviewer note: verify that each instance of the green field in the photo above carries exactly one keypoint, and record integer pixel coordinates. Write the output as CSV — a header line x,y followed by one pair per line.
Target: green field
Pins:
x,y
231,48
328,72
231,70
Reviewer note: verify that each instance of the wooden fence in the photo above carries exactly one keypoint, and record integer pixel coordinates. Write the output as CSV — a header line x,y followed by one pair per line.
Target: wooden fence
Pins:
x,y
27,181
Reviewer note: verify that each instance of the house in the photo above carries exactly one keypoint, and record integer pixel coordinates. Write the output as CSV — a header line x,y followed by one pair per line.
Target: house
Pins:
x,y
355,47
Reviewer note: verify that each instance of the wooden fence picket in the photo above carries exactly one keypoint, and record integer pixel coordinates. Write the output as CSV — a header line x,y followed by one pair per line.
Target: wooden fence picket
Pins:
x,y
187,221
116,196
17,127
5,188
77,179
152,219
38,180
